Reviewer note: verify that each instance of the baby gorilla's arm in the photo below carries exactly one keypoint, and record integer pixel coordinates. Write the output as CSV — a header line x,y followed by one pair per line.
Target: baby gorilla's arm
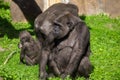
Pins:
x,y
29,61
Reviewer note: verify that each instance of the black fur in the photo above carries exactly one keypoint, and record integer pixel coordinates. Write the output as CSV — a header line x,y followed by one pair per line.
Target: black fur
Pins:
x,y
65,41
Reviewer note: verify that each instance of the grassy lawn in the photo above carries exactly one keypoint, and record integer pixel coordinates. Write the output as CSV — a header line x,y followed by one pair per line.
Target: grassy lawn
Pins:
x,y
105,46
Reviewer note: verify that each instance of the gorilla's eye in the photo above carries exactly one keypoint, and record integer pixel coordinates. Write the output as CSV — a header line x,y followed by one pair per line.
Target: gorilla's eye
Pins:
x,y
56,29
69,24
24,39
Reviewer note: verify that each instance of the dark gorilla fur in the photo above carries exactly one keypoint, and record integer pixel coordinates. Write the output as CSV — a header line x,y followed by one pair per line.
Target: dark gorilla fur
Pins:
x,y
65,41
30,49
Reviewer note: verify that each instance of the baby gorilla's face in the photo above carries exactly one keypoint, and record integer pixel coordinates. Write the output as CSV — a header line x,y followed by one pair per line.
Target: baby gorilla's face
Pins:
x,y
24,37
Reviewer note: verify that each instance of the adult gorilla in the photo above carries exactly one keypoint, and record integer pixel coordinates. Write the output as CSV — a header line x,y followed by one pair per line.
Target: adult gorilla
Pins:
x,y
65,41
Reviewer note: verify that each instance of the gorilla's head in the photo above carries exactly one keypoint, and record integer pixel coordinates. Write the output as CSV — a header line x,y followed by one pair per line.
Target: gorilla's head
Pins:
x,y
58,27
25,37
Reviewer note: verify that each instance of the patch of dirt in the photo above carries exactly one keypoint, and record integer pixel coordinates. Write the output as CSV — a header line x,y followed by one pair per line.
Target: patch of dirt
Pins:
x,y
110,26
1,49
1,78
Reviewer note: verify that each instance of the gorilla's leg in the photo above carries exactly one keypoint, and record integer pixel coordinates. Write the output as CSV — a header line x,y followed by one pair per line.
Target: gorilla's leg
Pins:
x,y
85,67
53,65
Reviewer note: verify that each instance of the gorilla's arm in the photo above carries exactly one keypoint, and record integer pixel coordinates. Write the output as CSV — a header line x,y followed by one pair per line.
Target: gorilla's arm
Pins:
x,y
78,49
22,55
30,61
43,62
52,64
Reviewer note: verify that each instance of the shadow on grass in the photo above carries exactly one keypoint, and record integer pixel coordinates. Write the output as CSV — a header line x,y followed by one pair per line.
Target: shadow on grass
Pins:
x,y
6,28
29,8
4,6
83,17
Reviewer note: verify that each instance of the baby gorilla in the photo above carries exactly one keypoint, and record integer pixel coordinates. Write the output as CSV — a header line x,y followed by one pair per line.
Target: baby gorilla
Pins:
x,y
30,49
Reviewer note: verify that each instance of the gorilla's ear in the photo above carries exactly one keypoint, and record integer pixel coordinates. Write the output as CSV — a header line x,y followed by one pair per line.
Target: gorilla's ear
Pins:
x,y
67,19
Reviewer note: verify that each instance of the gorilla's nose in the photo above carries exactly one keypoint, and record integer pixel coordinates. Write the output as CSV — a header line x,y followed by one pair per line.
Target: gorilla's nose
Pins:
x,y
46,28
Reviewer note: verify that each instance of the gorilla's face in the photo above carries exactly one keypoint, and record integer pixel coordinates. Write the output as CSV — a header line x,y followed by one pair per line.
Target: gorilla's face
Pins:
x,y
58,27
24,37
54,30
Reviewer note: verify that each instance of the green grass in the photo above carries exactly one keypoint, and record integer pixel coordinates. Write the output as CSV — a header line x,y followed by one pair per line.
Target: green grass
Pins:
x,y
105,46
